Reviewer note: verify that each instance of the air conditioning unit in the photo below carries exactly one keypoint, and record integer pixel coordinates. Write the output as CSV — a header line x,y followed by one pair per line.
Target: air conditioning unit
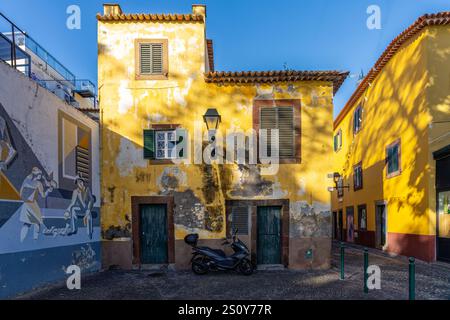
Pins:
x,y
60,92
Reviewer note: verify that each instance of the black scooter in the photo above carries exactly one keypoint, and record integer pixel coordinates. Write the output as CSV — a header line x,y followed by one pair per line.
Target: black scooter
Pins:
x,y
206,259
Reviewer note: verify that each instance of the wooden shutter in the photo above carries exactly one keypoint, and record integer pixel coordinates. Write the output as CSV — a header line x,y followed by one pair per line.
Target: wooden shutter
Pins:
x,y
240,220
281,118
149,144
157,58
286,127
151,58
146,58
83,163
268,121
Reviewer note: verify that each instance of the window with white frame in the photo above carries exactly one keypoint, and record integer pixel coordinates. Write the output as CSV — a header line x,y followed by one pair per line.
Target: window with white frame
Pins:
x,y
166,142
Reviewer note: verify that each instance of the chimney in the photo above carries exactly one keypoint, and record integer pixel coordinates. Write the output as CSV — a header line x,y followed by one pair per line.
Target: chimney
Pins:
x,y
199,9
111,9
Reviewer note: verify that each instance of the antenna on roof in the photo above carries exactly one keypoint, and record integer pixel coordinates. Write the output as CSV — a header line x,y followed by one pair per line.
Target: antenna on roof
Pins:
x,y
360,77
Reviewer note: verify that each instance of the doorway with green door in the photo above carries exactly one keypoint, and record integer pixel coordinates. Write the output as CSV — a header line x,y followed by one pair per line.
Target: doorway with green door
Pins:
x,y
153,231
269,229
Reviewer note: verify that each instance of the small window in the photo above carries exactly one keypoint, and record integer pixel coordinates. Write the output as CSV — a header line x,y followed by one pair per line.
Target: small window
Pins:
x,y
362,217
165,144
281,118
357,119
357,177
338,141
74,151
151,59
393,159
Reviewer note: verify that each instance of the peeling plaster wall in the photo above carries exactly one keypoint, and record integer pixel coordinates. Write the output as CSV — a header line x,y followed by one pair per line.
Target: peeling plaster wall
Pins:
x,y
200,191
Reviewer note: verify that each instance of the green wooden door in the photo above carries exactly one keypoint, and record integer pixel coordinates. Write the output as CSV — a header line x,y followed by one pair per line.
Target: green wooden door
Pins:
x,y
154,234
269,235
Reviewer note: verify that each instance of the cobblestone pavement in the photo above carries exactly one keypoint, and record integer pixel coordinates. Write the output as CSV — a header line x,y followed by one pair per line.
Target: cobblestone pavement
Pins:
x,y
432,282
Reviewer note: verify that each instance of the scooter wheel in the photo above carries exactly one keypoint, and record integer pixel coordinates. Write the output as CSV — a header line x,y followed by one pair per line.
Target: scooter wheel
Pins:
x,y
199,267
246,267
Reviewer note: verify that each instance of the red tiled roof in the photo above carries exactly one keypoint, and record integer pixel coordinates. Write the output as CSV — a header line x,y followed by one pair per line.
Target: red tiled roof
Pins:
x,y
244,77
441,18
209,44
150,17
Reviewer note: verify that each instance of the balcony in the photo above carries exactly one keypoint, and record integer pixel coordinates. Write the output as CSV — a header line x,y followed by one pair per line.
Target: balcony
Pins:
x,y
23,53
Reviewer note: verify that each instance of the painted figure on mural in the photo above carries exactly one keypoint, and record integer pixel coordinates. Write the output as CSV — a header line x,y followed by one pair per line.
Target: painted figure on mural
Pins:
x,y
33,186
81,206
7,151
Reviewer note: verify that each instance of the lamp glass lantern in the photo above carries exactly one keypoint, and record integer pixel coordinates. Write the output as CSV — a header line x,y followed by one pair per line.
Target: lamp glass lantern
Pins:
x,y
336,178
212,119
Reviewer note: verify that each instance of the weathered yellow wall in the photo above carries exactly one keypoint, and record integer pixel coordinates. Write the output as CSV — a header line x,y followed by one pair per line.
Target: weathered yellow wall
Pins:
x,y
395,106
129,106
438,97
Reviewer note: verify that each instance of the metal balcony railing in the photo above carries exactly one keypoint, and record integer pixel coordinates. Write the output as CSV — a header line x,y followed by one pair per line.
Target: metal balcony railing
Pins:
x,y
22,52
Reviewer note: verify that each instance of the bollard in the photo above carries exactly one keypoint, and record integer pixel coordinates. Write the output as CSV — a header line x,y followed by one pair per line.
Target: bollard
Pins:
x,y
412,279
366,266
342,261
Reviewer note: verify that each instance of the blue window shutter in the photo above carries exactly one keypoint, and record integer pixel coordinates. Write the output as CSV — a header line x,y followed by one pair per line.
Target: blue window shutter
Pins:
x,y
149,144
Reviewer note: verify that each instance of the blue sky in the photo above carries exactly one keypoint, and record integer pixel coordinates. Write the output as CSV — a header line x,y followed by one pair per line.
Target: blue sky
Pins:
x,y
247,34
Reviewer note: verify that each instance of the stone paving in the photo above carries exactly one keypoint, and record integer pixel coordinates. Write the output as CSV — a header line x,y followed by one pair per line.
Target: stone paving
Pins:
x,y
432,282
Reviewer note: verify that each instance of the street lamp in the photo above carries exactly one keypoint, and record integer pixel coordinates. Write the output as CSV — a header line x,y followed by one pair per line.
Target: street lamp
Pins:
x,y
212,119
336,177
339,182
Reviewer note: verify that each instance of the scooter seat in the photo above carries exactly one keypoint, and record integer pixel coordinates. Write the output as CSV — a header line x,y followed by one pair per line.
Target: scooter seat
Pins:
x,y
217,251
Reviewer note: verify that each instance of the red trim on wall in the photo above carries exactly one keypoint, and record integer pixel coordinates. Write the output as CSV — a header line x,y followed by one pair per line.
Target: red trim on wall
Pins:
x,y
421,247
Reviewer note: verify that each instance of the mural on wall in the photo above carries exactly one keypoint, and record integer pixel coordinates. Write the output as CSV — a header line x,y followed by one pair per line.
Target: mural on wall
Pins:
x,y
7,151
34,210
33,186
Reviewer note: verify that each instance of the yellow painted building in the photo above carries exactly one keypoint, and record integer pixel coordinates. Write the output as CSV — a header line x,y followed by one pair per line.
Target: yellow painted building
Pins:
x,y
392,142
156,82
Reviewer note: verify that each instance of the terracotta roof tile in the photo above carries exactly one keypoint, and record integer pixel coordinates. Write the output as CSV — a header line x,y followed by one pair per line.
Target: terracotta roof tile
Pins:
x,y
251,77
441,18
151,17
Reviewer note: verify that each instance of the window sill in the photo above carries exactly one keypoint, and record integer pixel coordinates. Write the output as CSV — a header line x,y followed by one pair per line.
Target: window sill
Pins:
x,y
288,161
152,77
393,174
161,161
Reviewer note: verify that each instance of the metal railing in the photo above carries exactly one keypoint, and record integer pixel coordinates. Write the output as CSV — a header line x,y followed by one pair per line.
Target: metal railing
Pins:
x,y
14,56
19,50
21,39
